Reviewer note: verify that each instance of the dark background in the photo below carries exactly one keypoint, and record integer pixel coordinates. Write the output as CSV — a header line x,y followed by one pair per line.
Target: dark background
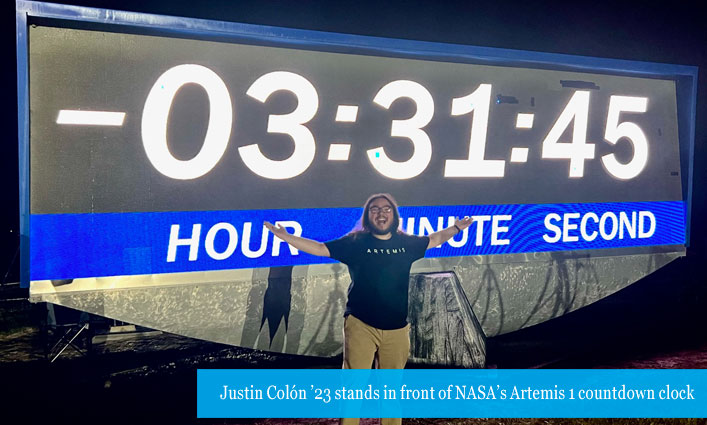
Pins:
x,y
661,312
669,33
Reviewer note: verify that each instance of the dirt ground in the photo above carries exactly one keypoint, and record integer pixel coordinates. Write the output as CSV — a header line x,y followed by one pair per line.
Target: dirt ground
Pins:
x,y
150,377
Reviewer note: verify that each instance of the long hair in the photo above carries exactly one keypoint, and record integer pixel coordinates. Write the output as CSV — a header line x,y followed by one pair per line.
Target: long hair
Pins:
x,y
366,223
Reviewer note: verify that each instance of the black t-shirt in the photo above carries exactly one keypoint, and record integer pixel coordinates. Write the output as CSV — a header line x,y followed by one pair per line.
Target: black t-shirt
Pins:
x,y
380,275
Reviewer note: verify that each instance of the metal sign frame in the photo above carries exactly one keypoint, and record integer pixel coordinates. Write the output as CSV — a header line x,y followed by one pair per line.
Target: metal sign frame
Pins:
x,y
685,77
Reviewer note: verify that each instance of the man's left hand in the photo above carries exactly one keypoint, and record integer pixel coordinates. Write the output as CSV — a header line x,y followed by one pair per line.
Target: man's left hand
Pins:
x,y
463,223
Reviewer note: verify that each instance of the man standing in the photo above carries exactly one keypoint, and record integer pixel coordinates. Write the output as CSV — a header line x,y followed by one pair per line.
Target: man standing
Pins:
x,y
379,258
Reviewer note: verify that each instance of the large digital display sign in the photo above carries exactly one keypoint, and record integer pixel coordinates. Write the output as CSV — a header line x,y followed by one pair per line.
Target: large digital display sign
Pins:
x,y
156,154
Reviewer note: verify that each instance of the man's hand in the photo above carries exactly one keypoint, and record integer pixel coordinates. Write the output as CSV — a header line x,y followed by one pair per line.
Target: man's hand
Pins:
x,y
307,245
278,230
463,223
442,236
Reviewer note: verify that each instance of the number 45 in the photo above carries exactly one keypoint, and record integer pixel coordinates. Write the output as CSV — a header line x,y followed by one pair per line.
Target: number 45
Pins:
x,y
578,150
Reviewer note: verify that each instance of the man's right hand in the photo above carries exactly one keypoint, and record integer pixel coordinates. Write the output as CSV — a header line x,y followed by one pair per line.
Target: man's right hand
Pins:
x,y
278,230
307,245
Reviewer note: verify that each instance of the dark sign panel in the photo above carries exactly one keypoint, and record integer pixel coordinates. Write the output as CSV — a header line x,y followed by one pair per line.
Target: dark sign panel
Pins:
x,y
154,154
193,125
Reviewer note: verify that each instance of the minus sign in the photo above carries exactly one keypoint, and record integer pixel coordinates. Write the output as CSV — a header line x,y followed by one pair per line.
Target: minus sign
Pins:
x,y
103,118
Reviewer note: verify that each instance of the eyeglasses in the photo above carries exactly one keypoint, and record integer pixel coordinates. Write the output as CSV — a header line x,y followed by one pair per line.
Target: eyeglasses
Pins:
x,y
376,210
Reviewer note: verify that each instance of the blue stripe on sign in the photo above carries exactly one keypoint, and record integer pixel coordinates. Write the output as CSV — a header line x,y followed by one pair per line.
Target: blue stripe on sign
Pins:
x,y
440,393
65,246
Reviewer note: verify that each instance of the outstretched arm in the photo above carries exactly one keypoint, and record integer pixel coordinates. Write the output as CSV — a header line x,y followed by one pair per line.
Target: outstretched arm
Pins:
x,y
442,236
303,244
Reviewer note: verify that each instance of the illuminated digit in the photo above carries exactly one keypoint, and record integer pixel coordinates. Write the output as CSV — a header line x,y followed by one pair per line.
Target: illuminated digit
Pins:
x,y
211,237
156,113
578,150
290,124
629,130
475,165
410,128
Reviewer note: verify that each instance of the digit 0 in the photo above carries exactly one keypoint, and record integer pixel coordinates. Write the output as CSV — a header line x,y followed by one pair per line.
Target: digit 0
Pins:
x,y
156,113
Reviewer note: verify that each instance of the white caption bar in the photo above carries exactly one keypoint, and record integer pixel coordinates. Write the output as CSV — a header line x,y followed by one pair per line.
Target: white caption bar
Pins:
x,y
74,117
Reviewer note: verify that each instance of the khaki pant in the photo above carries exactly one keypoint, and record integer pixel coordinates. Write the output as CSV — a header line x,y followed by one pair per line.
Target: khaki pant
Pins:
x,y
363,344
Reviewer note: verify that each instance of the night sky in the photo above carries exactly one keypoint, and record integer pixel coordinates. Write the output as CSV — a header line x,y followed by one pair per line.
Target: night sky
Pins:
x,y
672,32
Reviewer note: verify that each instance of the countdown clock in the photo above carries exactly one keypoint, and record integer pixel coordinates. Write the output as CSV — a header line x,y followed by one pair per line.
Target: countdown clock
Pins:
x,y
169,151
